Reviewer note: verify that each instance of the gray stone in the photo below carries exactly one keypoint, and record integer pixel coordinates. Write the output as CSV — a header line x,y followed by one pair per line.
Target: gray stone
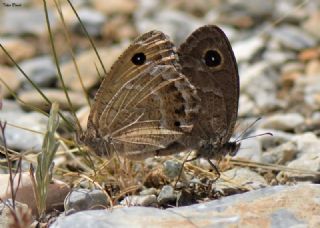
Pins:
x,y
41,70
250,149
293,37
147,200
278,138
166,195
251,209
172,168
245,50
149,191
19,21
85,199
22,139
280,154
92,20
237,179
284,122
246,106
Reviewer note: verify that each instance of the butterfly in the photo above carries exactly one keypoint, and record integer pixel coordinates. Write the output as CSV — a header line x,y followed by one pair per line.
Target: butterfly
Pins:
x,y
208,61
143,104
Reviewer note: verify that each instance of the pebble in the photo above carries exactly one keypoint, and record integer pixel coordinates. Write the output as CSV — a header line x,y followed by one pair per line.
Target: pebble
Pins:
x,y
246,106
171,168
33,98
85,199
21,139
115,6
41,70
277,138
252,209
312,23
22,21
145,200
246,49
86,62
237,180
8,76
167,195
17,48
92,20
250,149
281,154
293,38
283,122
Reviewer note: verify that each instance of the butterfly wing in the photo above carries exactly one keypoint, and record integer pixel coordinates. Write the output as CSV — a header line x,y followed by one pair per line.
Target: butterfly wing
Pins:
x,y
144,102
208,61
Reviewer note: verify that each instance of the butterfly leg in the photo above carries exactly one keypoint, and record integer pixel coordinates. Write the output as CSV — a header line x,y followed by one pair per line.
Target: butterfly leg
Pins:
x,y
215,169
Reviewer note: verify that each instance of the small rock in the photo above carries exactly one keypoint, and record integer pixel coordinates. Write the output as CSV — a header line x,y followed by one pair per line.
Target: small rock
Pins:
x,y
149,191
312,24
278,58
17,48
145,201
167,195
246,49
20,139
284,122
277,138
293,37
250,149
82,115
118,28
40,70
20,21
313,68
246,106
9,76
115,6
237,180
170,22
280,154
85,199
33,98
86,62
171,168
307,143
92,20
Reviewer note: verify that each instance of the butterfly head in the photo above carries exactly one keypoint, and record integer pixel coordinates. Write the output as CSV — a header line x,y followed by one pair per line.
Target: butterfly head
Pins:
x,y
213,149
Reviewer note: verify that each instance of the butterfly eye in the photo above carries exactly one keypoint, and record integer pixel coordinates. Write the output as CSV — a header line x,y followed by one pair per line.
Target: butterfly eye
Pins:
x,y
212,58
138,58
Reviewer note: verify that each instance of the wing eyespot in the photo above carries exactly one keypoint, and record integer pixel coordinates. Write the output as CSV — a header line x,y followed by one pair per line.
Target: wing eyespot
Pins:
x,y
212,58
138,58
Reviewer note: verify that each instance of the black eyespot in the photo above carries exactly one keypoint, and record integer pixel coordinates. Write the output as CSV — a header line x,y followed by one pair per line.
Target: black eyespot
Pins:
x,y
177,123
212,58
138,58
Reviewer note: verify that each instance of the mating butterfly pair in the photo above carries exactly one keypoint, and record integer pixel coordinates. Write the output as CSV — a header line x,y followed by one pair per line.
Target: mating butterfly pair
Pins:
x,y
157,100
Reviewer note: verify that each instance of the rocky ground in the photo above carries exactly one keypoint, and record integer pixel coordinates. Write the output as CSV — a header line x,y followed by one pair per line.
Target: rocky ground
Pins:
x,y
272,181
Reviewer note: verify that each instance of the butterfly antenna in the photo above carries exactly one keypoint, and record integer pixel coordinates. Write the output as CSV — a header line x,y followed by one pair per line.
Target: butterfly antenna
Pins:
x,y
246,130
253,136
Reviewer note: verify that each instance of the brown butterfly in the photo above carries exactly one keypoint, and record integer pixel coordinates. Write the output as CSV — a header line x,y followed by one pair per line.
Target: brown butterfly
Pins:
x,y
208,61
144,103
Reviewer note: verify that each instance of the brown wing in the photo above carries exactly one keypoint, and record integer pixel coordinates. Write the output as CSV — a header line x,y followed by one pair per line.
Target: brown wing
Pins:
x,y
208,61
143,103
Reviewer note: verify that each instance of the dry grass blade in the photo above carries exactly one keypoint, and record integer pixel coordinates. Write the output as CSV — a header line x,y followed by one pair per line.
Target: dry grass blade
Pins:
x,y
43,173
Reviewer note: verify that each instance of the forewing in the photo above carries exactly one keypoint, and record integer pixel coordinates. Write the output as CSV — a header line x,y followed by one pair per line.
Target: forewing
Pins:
x,y
217,84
